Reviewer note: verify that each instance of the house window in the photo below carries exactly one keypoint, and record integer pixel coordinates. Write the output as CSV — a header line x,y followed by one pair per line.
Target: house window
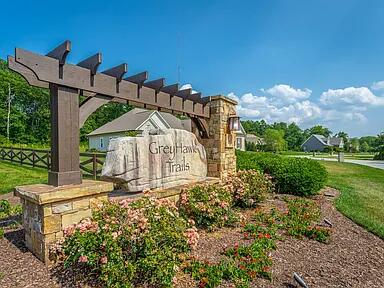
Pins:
x,y
101,143
238,143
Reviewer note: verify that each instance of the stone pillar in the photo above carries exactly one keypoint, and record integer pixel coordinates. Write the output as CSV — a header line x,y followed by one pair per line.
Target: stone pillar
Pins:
x,y
48,210
220,146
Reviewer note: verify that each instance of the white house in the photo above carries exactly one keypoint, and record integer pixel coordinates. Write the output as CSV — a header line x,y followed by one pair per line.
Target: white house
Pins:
x,y
139,120
240,138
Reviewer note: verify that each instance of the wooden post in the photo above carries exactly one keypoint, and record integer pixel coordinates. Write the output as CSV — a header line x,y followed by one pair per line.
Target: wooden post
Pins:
x,y
65,159
94,166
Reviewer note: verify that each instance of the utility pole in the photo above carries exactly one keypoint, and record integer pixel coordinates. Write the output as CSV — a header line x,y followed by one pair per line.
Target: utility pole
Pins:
x,y
9,108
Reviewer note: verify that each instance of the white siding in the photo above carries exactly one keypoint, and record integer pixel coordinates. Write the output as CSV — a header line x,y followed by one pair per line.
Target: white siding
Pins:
x,y
94,141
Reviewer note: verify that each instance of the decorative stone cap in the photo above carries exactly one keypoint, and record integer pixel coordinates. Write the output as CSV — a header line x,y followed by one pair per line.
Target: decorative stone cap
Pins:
x,y
43,193
224,98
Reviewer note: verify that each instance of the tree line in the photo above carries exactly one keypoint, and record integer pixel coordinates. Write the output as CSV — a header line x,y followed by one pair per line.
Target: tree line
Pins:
x,y
281,136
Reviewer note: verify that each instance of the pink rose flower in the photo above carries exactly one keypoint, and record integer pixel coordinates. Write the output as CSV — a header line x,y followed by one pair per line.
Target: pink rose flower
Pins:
x,y
104,260
83,259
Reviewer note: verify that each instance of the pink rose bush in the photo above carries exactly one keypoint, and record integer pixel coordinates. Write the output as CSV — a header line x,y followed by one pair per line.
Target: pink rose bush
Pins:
x,y
249,187
130,242
209,206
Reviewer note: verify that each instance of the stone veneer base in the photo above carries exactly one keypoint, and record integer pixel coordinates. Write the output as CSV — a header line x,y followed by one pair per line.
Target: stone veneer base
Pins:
x,y
48,210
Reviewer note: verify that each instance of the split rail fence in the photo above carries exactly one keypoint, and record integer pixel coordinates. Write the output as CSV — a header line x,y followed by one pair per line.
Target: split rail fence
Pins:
x,y
90,163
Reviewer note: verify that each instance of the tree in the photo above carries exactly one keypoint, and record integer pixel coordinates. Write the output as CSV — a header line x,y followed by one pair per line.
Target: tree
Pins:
x,y
364,147
294,137
255,127
274,140
354,145
320,130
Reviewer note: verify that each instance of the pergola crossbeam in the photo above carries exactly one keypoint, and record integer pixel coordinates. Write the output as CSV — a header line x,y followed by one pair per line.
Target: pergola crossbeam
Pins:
x,y
49,70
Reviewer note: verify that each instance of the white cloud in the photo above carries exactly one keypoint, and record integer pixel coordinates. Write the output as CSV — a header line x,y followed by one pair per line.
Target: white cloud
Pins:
x,y
187,86
378,85
351,96
288,104
287,93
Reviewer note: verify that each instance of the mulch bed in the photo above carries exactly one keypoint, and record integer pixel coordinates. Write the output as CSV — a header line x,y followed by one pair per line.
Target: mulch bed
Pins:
x,y
353,258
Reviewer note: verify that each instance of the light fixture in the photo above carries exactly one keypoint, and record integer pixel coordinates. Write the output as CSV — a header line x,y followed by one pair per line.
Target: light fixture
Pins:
x,y
234,123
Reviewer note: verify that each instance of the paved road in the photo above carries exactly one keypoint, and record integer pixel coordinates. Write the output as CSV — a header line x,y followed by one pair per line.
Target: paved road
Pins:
x,y
370,163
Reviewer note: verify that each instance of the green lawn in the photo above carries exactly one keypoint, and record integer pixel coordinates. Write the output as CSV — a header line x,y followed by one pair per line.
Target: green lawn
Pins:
x,y
12,175
362,194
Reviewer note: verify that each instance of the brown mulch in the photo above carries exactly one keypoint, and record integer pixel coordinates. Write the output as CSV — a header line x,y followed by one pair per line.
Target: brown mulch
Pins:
x,y
353,258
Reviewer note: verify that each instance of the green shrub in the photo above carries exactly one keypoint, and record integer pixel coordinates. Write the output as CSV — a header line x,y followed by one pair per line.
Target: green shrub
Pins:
x,y
298,176
249,187
208,205
5,207
2,232
379,156
130,242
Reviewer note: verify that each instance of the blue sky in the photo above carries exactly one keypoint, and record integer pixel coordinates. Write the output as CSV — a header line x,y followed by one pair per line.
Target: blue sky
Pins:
x,y
312,62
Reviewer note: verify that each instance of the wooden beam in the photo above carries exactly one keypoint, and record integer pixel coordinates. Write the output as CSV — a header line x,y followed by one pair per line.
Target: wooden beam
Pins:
x,y
65,165
185,93
117,71
91,63
47,69
60,52
90,105
171,89
26,73
138,79
155,84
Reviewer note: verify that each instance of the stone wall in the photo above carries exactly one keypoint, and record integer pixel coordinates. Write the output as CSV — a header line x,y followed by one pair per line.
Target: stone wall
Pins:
x,y
48,210
220,146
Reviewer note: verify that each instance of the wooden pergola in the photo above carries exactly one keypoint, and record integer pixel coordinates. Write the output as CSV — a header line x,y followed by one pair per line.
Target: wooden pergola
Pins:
x,y
67,82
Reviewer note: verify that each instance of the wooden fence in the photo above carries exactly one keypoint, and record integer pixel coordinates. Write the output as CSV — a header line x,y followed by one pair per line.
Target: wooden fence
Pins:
x,y
90,163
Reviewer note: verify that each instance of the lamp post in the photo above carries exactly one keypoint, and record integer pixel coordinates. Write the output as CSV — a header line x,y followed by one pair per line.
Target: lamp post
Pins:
x,y
234,123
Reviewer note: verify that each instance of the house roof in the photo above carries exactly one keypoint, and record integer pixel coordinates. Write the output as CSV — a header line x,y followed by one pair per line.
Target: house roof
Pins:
x,y
335,141
331,141
321,138
254,139
133,119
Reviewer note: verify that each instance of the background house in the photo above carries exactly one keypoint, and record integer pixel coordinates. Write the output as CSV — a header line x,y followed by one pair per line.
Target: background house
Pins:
x,y
319,143
240,138
139,120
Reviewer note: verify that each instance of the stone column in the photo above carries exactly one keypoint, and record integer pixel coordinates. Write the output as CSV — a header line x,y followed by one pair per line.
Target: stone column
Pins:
x,y
220,146
48,210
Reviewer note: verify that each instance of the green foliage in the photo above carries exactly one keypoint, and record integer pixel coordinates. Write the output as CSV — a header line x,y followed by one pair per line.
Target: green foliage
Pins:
x,y
241,264
8,210
299,218
298,176
209,206
130,243
320,130
249,188
379,156
29,117
131,133
274,140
